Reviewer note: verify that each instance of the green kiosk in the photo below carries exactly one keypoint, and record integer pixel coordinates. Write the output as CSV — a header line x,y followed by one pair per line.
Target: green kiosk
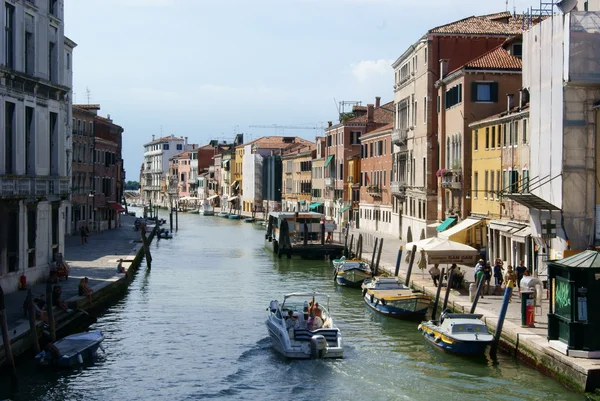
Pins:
x,y
574,315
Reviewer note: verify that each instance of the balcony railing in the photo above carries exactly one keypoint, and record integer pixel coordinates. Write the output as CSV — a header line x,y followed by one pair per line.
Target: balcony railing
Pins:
x,y
25,186
399,136
374,191
329,182
398,188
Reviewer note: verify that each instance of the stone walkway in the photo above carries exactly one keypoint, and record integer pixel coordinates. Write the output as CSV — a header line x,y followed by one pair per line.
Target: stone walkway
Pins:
x,y
96,260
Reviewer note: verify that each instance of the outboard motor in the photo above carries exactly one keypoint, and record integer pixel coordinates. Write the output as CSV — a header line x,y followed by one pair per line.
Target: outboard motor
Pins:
x,y
318,346
274,305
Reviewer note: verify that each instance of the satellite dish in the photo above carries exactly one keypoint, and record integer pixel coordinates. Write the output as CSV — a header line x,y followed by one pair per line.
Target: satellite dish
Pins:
x,y
566,6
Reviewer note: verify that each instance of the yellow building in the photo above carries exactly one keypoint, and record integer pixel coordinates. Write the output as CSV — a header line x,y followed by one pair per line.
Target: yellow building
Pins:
x,y
296,191
486,182
237,169
350,211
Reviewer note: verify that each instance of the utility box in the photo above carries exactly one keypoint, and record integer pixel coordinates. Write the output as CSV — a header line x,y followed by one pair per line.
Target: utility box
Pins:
x,y
574,316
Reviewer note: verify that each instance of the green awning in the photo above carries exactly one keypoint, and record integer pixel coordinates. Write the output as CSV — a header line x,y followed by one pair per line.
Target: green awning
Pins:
x,y
315,205
344,209
446,224
302,202
329,159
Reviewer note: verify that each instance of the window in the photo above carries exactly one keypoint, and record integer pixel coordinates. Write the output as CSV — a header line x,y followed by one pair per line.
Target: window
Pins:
x,y
29,138
475,142
485,185
52,62
404,73
328,140
425,56
504,181
9,35
29,45
506,133
491,195
525,181
499,135
493,141
453,96
514,181
53,148
9,133
384,172
179,146
487,137
425,110
518,50
484,92
371,149
165,146
498,188
476,184
355,137
515,135
52,7
438,104
524,130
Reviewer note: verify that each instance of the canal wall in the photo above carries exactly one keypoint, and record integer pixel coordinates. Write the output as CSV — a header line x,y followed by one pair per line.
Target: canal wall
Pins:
x,y
528,344
100,267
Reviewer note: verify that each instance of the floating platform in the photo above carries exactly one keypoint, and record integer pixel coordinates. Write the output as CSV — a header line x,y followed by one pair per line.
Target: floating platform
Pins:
x,y
308,251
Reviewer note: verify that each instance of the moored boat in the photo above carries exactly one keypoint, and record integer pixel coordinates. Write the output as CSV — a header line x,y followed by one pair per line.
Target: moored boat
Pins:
x,y
71,351
293,335
223,214
194,211
389,296
459,333
234,216
249,220
351,273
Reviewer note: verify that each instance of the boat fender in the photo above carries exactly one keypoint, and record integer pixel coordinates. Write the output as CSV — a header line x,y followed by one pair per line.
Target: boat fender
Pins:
x,y
437,339
80,359
383,302
364,292
420,328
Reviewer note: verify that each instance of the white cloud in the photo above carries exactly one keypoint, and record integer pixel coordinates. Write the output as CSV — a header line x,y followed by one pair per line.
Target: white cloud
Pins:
x,y
366,70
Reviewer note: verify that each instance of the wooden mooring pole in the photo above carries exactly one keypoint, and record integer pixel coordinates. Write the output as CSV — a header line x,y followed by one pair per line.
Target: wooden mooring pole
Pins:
x,y
6,341
373,257
410,265
501,317
171,219
176,218
448,288
350,246
379,254
359,247
398,260
50,311
479,286
146,247
32,323
437,294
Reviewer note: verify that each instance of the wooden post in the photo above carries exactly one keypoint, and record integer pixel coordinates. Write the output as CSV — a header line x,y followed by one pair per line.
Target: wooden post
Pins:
x,y
359,247
146,247
50,311
410,265
323,234
176,217
501,317
379,253
373,268
448,288
305,234
171,219
479,287
346,253
350,246
6,341
32,323
437,294
398,260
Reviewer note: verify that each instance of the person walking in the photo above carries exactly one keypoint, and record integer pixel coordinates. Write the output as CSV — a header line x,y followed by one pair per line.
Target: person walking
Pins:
x,y
510,279
435,274
478,267
520,271
498,274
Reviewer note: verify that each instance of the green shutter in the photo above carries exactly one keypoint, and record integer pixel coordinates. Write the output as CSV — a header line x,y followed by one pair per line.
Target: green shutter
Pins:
x,y
473,91
494,91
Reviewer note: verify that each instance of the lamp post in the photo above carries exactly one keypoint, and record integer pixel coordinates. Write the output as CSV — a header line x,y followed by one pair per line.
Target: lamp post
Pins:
x,y
87,207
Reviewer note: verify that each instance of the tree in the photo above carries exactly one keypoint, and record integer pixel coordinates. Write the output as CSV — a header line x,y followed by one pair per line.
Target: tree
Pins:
x,y
132,185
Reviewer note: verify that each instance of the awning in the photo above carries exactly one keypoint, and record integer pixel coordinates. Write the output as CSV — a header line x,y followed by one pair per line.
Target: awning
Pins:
x,y
433,225
461,226
329,159
302,202
499,226
225,163
117,207
520,236
531,201
345,208
233,183
446,224
315,205
212,197
232,198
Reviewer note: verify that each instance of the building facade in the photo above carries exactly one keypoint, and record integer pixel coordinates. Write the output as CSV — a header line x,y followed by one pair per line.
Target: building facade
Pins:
x,y
83,166
36,139
297,177
318,181
416,159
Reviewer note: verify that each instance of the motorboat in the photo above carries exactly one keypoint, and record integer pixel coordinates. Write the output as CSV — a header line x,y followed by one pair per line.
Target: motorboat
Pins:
x,y
234,216
249,220
73,350
351,273
296,338
223,214
194,211
459,333
207,210
163,233
389,296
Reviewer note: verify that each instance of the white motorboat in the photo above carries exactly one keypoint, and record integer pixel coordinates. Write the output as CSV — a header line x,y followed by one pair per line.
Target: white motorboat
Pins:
x,y
296,338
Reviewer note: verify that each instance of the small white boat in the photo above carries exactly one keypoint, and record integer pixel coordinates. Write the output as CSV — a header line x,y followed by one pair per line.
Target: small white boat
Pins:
x,y
351,273
388,295
72,350
293,339
194,211
207,210
459,333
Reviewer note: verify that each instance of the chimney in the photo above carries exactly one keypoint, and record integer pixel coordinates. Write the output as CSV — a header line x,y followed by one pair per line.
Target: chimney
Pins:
x,y
370,113
152,136
377,101
443,68
329,123
186,139
509,101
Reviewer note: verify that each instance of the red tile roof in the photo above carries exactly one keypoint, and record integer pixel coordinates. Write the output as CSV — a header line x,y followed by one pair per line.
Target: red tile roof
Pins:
x,y
87,106
382,129
383,114
496,59
276,142
479,26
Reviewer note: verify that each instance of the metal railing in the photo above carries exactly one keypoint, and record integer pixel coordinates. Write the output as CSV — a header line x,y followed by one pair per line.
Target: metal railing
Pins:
x,y
24,186
399,136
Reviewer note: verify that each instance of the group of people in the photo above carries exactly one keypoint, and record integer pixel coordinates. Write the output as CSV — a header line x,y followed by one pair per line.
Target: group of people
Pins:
x,y
313,315
40,304
511,278
457,275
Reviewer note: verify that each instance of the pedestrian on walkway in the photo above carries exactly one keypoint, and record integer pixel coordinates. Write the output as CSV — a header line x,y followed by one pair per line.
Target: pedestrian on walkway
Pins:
x,y
510,278
520,270
435,274
478,267
82,234
498,274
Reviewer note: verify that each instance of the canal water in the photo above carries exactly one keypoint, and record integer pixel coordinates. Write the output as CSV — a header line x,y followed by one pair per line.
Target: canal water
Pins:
x,y
193,328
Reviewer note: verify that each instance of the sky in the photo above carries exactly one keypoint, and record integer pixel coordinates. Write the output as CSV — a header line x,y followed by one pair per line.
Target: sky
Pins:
x,y
210,69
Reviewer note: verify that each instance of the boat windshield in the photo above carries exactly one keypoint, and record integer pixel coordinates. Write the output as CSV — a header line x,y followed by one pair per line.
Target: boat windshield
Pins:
x,y
468,328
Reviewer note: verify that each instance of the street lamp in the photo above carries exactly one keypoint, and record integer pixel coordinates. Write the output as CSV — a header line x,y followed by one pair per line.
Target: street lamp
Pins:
x,y
87,206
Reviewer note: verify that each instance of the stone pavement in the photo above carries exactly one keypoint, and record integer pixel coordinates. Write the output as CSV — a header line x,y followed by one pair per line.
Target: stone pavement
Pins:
x,y
96,260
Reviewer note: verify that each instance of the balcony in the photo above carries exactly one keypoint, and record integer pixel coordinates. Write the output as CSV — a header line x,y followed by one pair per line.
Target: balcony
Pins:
x,y
17,187
452,179
398,188
374,191
329,182
399,136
